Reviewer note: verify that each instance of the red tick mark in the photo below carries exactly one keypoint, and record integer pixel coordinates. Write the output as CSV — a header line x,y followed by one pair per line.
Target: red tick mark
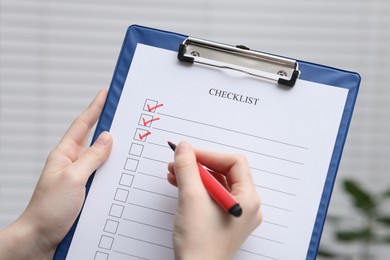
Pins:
x,y
153,108
144,135
148,122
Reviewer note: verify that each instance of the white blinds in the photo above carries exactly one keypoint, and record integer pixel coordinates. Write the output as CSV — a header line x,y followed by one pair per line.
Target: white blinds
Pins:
x,y
55,55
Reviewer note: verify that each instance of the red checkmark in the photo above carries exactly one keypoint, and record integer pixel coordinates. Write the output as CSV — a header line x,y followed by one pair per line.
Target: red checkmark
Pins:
x,y
148,122
153,108
144,135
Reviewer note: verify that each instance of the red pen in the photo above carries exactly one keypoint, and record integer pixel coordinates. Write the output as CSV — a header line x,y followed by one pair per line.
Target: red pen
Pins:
x,y
216,190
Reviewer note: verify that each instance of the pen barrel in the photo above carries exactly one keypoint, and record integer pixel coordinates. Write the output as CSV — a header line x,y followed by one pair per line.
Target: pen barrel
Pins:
x,y
216,189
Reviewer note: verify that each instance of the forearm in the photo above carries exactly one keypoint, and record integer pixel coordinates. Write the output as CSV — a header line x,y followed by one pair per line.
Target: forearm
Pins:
x,y
21,241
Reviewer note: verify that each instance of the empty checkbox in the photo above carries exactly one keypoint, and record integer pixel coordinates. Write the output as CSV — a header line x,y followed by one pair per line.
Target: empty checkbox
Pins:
x,y
116,210
106,242
111,226
101,256
131,164
126,179
136,149
121,195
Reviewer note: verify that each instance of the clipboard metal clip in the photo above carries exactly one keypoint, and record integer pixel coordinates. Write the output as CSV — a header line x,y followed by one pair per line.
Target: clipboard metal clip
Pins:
x,y
240,58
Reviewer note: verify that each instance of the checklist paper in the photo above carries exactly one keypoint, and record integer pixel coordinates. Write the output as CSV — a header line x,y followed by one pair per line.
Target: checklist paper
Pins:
x,y
287,134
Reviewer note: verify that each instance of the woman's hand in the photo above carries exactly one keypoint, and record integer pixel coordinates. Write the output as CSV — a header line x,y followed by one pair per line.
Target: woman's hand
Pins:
x,y
203,230
60,192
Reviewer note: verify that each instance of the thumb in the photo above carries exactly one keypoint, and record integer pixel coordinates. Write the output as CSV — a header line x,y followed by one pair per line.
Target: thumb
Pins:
x,y
94,156
186,168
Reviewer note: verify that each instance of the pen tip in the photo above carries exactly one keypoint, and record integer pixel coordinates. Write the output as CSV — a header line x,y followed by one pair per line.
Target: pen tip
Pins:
x,y
236,210
172,145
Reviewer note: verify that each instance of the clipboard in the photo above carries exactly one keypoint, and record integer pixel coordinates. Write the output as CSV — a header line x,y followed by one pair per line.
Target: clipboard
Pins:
x,y
280,71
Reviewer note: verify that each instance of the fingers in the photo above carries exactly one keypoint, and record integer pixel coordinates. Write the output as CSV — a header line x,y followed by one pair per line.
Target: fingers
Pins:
x,y
232,171
234,167
185,168
78,132
237,172
92,158
172,179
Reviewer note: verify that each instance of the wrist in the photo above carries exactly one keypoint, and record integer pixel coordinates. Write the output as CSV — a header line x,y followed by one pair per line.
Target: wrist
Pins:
x,y
35,231
23,240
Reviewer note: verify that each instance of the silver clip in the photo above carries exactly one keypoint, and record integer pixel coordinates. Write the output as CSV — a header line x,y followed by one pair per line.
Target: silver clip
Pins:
x,y
240,58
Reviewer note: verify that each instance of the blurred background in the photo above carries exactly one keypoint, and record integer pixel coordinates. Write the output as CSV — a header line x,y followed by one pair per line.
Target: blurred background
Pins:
x,y
55,55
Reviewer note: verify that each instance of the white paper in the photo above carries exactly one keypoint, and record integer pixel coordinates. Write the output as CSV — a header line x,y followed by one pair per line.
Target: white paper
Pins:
x,y
288,136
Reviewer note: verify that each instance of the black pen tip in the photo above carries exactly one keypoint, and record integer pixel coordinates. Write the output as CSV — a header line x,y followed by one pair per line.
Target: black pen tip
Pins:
x,y
172,145
236,210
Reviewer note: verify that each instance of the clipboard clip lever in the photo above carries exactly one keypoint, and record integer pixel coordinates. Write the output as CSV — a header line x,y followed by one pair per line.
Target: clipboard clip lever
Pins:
x,y
240,58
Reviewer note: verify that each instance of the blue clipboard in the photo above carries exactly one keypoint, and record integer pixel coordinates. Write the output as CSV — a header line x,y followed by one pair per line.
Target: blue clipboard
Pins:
x,y
308,71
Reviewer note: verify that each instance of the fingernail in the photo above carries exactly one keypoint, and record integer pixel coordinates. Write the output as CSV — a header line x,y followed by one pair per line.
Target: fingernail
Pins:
x,y
103,138
183,147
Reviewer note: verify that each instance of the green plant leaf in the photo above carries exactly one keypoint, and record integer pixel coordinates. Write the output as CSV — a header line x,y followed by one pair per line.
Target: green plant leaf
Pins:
x,y
384,220
325,253
362,199
386,194
384,239
333,219
351,236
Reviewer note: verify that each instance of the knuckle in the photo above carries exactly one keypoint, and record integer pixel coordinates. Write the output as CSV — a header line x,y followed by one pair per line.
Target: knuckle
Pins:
x,y
241,158
69,176
254,208
256,203
190,196
184,165
94,155
53,155
259,218
258,211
